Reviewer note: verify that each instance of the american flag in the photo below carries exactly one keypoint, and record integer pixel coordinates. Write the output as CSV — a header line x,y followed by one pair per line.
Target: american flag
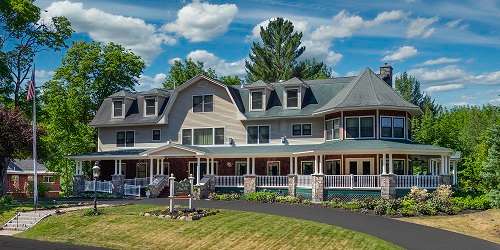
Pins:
x,y
31,87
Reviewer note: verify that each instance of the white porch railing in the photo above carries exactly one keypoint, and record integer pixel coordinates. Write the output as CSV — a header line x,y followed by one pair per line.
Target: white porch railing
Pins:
x,y
271,181
421,181
304,181
352,181
100,186
132,190
229,181
142,182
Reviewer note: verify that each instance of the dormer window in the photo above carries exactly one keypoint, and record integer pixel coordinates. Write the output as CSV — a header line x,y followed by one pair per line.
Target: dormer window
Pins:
x,y
257,100
150,106
292,97
118,108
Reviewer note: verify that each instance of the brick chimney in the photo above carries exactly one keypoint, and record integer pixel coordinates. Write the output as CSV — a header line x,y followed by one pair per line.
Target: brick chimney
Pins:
x,y
386,73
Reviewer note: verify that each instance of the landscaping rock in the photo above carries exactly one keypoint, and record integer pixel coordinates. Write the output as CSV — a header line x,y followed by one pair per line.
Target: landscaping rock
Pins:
x,y
147,214
168,217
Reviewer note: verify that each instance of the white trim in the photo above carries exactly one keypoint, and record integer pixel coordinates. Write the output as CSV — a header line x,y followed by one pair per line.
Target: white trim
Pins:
x,y
145,106
333,128
177,146
332,160
153,134
213,136
258,134
263,91
301,129
359,127
302,166
215,163
357,160
393,117
405,163
121,99
285,97
271,162
116,138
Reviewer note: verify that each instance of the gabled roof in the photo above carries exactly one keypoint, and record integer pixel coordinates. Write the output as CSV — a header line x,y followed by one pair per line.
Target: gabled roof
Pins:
x,y
367,90
258,84
25,167
123,93
295,81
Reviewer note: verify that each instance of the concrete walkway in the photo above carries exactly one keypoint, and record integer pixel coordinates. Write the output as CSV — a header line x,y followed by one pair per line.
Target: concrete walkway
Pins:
x,y
407,235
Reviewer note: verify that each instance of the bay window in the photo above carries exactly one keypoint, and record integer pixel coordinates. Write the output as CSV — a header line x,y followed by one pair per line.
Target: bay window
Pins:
x,y
332,128
359,127
258,134
392,127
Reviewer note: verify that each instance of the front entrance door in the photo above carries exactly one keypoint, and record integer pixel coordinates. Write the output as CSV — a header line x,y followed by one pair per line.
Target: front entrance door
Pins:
x,y
360,166
203,169
273,168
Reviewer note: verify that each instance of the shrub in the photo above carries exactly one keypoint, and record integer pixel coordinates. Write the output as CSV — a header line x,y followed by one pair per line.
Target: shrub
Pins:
x,y
262,196
418,194
6,200
225,197
288,199
91,212
387,207
480,202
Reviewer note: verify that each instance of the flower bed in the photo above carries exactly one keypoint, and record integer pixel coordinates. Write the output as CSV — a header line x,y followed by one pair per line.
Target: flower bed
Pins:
x,y
185,214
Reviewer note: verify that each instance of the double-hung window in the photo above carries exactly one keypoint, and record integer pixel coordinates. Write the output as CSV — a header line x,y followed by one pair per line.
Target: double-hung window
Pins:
x,y
203,136
258,134
359,127
156,134
292,98
150,106
332,128
203,103
125,138
118,111
302,129
256,100
392,127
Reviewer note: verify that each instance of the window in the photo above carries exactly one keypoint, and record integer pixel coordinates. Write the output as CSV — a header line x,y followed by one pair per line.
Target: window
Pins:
x,y
256,100
292,98
273,168
15,180
257,134
240,168
306,167
156,134
150,106
118,108
332,167
125,138
219,136
48,179
392,127
302,129
187,137
203,136
332,129
203,103
398,166
359,127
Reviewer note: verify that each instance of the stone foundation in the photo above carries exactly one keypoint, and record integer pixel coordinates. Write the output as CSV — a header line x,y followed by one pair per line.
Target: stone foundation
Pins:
x,y
249,183
388,186
78,185
292,184
318,183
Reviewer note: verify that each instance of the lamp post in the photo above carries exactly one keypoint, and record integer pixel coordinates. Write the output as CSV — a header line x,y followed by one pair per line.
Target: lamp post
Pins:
x,y
96,170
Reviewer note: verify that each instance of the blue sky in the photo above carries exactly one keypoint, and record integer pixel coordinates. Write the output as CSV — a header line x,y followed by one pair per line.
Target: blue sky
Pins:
x,y
452,47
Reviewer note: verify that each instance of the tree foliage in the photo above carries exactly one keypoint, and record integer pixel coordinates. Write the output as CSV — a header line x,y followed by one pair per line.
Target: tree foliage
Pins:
x,y
27,35
89,73
490,172
276,58
15,137
409,88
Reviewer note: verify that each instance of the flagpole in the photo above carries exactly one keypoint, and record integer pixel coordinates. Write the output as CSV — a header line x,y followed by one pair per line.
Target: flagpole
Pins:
x,y
35,181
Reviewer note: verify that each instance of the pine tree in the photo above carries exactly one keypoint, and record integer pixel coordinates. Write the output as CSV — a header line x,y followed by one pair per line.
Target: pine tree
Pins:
x,y
491,167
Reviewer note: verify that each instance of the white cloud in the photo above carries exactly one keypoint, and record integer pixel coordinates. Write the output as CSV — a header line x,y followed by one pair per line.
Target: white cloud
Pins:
x,y
487,78
440,60
221,66
42,76
447,73
298,25
420,27
386,16
133,33
445,87
149,82
200,21
401,54
495,101
173,60
458,23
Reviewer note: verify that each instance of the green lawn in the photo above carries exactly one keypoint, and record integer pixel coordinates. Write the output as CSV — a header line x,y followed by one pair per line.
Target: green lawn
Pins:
x,y
122,227
7,212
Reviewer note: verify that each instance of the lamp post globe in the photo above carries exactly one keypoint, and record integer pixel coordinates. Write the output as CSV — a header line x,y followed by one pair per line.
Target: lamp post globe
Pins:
x,y
96,171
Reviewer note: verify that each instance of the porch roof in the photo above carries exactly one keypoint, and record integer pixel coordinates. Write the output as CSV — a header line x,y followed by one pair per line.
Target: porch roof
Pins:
x,y
329,147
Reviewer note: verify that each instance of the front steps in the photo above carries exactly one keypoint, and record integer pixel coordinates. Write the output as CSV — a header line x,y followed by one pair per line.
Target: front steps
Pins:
x,y
24,220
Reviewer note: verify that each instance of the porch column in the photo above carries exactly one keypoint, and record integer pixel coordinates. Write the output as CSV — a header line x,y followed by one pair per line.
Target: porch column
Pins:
x,y
384,164
441,170
291,166
151,161
391,166
320,164
161,167
212,166
119,166
316,164
253,165
158,166
116,167
248,166
198,170
296,166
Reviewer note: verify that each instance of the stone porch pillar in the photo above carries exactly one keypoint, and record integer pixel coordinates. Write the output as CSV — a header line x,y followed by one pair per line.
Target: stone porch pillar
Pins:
x,y
388,186
292,184
118,181
249,183
318,183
